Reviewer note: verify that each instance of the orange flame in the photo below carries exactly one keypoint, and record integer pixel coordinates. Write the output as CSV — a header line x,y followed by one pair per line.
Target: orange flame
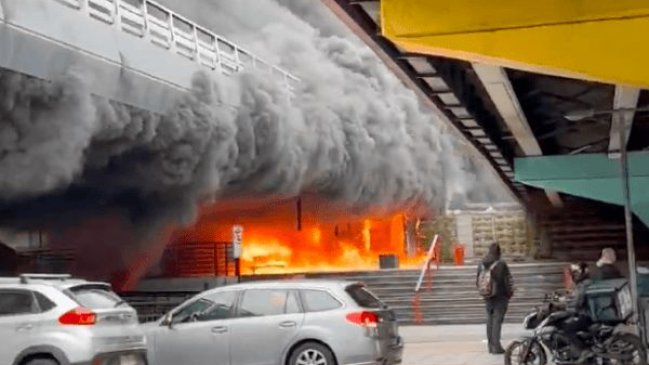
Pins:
x,y
329,239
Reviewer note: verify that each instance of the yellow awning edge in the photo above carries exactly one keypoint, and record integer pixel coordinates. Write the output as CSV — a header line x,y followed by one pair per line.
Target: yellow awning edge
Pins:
x,y
599,40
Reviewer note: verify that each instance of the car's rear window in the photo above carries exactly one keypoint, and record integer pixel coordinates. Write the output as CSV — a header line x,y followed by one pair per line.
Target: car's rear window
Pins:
x,y
319,301
363,297
95,296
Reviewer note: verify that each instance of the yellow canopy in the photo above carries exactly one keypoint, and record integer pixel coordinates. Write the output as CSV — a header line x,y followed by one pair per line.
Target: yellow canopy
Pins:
x,y
603,40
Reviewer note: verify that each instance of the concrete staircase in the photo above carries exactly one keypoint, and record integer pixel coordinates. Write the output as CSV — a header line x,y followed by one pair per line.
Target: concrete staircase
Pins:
x,y
453,298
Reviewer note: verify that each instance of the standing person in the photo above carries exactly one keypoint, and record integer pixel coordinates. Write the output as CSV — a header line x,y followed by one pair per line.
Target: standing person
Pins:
x,y
495,284
606,268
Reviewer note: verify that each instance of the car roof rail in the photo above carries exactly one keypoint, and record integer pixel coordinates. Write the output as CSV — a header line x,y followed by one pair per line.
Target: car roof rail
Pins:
x,y
24,278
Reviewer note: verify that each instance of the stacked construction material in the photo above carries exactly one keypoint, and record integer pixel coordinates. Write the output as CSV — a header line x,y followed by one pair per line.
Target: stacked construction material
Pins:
x,y
446,228
509,228
477,229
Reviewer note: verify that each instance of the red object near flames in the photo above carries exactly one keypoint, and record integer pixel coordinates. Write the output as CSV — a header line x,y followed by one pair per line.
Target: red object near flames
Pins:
x,y
458,254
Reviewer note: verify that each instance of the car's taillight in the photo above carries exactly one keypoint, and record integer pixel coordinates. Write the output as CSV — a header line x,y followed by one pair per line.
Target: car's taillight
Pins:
x,y
78,316
365,319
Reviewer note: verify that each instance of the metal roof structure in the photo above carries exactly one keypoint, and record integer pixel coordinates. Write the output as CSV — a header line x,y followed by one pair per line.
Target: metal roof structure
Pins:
x,y
506,113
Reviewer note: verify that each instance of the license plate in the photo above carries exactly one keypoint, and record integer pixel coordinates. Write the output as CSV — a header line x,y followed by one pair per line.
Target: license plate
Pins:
x,y
129,360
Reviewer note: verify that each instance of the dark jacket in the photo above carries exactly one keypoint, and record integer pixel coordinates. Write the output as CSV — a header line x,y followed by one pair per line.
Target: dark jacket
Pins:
x,y
606,272
576,301
501,275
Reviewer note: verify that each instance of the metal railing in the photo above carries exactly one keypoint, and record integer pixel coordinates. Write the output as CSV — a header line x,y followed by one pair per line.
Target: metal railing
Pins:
x,y
49,259
432,256
164,28
151,306
196,259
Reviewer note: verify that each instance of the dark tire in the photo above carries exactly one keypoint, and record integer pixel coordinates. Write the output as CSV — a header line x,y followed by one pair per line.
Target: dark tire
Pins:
x,y
536,355
312,353
40,361
630,345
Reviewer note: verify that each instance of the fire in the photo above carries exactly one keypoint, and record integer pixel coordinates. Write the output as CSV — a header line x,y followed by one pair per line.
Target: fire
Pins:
x,y
319,238
335,246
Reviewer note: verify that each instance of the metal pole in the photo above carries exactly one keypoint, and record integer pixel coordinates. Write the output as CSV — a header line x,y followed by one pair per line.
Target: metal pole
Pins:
x,y
298,213
237,269
628,218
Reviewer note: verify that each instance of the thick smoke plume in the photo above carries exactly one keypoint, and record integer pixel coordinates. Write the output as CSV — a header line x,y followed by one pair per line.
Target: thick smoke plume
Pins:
x,y
353,133
383,149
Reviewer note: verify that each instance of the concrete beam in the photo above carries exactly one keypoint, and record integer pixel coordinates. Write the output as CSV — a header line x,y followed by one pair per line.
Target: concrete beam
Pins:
x,y
501,92
625,98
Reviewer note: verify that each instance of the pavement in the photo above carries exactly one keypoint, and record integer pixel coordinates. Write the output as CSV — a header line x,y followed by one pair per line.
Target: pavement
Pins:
x,y
453,345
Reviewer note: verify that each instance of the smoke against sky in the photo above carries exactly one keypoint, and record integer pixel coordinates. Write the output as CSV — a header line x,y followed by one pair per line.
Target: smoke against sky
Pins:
x,y
352,133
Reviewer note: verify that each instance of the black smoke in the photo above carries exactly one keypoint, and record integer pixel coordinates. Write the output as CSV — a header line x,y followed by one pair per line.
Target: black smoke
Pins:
x,y
351,133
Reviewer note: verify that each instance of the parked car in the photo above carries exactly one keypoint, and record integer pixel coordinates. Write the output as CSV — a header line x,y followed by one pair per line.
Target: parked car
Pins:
x,y
57,320
278,323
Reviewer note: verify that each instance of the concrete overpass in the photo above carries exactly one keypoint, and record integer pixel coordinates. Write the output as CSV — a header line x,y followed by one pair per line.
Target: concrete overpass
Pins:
x,y
135,52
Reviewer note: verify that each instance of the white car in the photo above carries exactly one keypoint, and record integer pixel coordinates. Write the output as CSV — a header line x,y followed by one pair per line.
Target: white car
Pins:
x,y
57,320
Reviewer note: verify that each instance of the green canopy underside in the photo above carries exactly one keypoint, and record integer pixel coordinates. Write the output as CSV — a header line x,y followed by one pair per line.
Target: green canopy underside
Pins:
x,y
592,176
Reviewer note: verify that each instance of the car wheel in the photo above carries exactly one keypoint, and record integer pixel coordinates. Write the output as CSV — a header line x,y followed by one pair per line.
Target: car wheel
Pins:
x,y
40,361
312,353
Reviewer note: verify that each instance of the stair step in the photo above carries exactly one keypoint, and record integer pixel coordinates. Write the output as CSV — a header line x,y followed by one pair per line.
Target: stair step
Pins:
x,y
453,298
581,227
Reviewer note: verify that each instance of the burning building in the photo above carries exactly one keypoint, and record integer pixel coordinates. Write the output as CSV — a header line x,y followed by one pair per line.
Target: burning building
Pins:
x,y
300,235
120,182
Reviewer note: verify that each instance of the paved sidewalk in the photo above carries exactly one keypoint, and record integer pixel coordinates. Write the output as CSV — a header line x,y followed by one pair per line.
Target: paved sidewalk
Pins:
x,y
453,345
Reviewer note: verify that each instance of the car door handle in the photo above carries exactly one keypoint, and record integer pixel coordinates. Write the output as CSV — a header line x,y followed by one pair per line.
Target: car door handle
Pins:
x,y
288,324
219,329
25,327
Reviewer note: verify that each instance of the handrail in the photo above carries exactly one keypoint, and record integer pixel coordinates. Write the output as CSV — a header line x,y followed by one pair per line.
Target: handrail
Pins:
x,y
198,258
432,253
164,28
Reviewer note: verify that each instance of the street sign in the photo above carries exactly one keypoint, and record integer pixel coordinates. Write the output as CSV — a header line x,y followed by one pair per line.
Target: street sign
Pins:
x,y
237,238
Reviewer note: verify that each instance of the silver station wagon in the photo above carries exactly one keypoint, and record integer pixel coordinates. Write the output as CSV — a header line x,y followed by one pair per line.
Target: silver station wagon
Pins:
x,y
278,323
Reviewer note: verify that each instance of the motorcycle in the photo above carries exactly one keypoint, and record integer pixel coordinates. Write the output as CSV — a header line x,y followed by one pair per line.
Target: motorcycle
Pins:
x,y
556,332
551,303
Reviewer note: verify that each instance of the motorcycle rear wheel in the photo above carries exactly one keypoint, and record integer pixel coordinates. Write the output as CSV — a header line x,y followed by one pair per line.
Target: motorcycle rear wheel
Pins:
x,y
630,347
514,354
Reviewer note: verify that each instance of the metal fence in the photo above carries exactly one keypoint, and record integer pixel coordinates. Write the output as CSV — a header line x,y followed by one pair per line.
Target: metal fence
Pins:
x,y
198,259
151,306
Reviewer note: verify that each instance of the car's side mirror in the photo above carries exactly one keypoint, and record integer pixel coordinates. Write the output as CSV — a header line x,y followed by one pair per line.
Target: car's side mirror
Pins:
x,y
167,320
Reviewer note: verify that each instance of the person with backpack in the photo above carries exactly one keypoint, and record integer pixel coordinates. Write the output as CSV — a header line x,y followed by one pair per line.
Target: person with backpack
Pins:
x,y
496,286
